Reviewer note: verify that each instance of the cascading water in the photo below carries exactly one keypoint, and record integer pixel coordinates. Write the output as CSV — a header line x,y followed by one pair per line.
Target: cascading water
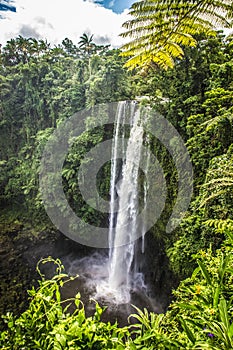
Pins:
x,y
123,225
114,171
145,189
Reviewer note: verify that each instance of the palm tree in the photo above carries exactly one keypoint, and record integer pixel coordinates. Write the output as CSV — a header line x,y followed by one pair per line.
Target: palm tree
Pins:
x,y
86,43
159,28
10,54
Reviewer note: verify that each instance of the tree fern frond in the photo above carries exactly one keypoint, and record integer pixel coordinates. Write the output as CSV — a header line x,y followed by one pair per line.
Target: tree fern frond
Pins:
x,y
211,123
167,24
209,198
162,58
219,180
220,224
173,49
183,39
222,182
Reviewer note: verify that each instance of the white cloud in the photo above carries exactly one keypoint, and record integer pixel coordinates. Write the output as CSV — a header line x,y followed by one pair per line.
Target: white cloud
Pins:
x,y
56,19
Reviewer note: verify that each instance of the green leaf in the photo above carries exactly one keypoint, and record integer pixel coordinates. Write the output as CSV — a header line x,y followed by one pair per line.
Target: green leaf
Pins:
x,y
230,332
216,296
223,313
187,306
58,295
188,331
204,271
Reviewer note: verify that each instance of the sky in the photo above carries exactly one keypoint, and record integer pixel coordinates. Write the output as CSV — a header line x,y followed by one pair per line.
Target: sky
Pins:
x,y
55,20
117,6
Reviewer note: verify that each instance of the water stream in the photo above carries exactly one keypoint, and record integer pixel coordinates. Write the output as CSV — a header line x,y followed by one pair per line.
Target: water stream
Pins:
x,y
123,234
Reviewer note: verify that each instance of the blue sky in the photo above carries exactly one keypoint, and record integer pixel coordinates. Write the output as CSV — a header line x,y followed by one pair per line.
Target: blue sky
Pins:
x,y
6,5
55,20
117,6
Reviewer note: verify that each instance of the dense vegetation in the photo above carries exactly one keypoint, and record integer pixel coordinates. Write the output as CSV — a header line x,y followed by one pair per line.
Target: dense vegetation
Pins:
x,y
40,86
199,318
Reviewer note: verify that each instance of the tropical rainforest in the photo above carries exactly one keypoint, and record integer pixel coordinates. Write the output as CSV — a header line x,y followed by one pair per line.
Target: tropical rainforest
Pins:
x,y
185,73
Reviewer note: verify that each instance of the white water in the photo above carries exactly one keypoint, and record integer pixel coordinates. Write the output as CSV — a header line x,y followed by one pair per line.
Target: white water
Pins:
x,y
146,189
114,172
122,234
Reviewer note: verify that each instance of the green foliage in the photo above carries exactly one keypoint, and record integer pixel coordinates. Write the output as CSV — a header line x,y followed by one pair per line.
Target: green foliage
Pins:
x,y
49,85
202,112
217,189
205,300
200,317
40,87
160,29
47,323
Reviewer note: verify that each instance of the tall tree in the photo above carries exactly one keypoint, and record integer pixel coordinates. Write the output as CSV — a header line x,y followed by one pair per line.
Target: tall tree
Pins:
x,y
86,43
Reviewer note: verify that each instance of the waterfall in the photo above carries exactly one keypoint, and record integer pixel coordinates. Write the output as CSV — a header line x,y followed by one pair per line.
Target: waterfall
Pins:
x,y
124,203
145,189
114,171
